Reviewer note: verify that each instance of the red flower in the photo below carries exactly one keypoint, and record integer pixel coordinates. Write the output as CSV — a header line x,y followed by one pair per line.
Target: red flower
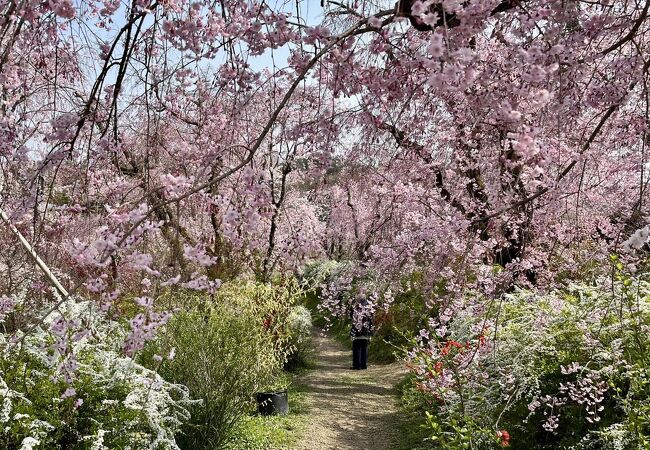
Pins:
x,y
505,438
449,345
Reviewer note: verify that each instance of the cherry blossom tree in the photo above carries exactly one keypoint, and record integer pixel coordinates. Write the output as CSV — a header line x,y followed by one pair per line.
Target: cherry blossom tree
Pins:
x,y
141,148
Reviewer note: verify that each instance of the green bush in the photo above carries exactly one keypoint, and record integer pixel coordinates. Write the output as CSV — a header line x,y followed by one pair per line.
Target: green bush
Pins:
x,y
413,403
227,348
223,359
406,315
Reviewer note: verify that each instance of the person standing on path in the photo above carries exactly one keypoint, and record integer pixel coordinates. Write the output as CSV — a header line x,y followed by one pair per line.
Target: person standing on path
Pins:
x,y
362,330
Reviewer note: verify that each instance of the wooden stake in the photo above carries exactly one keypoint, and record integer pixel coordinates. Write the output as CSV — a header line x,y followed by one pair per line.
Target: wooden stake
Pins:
x,y
41,264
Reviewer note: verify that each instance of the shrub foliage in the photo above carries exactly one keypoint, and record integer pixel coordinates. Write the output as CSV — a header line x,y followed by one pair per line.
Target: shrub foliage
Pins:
x,y
113,402
227,348
563,370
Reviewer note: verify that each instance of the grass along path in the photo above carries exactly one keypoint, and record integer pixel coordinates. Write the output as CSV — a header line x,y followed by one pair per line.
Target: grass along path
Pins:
x,y
349,409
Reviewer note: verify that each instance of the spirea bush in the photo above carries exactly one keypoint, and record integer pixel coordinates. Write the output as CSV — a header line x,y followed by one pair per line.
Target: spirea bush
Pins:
x,y
299,327
227,348
318,272
563,370
299,322
112,402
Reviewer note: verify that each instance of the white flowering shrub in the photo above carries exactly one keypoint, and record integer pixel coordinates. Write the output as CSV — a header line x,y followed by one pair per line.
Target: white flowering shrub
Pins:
x,y
299,327
299,323
564,370
112,402
318,272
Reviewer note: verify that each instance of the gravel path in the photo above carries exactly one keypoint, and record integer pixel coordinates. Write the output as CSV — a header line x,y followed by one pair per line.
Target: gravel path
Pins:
x,y
349,409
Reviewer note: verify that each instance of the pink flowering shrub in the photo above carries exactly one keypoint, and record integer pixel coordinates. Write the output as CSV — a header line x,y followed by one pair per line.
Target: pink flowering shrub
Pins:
x,y
563,370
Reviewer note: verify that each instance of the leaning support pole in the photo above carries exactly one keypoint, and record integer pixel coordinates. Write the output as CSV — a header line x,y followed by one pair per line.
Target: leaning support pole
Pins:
x,y
41,264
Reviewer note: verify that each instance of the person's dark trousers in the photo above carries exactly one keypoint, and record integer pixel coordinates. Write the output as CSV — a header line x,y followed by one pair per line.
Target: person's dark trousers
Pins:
x,y
360,354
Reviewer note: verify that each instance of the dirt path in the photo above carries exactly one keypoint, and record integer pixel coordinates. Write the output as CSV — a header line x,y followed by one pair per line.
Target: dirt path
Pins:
x,y
349,409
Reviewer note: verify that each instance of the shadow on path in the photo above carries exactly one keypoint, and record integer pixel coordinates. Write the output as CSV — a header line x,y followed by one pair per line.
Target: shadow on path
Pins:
x,y
349,409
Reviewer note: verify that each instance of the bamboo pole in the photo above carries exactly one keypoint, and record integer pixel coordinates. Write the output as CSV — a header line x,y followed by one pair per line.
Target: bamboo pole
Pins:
x,y
41,264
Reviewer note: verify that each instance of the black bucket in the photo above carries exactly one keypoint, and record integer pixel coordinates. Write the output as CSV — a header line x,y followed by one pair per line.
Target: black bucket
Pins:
x,y
272,403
